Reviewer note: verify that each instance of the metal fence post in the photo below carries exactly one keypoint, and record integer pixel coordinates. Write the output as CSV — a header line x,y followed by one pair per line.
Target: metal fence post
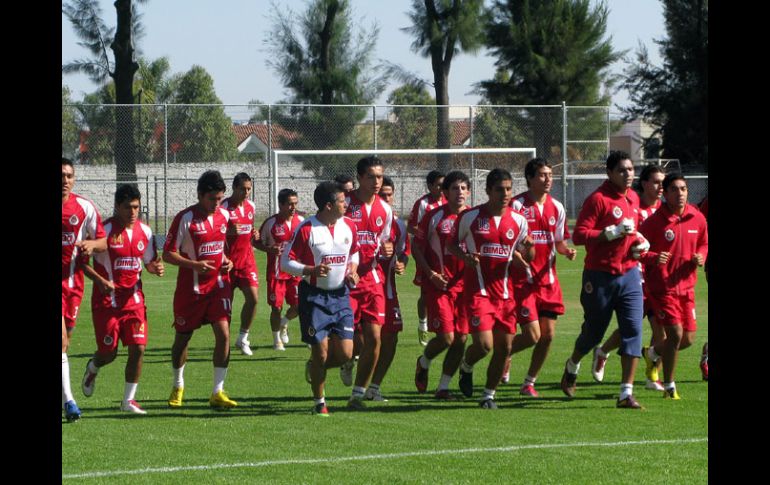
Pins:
x,y
165,169
269,157
564,163
473,160
374,125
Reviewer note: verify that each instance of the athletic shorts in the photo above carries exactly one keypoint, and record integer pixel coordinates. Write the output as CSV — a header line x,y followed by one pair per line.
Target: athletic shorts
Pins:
x,y
246,276
675,310
280,290
532,300
129,323
70,303
324,312
488,313
368,303
393,321
447,312
191,311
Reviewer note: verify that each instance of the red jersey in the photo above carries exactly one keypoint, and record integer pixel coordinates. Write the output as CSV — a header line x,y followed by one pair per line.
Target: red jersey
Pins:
x,y
277,232
605,207
682,236
646,211
401,247
547,224
198,236
433,234
121,264
493,238
79,221
422,206
239,232
373,226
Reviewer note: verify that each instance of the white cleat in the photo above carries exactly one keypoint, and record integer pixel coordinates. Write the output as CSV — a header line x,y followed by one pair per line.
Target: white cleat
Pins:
x,y
132,407
654,385
279,346
285,335
374,395
244,346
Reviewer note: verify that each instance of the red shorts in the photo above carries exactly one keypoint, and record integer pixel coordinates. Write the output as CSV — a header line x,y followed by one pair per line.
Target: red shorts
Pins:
x,y
393,321
280,290
531,300
70,303
246,276
191,310
675,310
128,323
491,314
368,304
447,312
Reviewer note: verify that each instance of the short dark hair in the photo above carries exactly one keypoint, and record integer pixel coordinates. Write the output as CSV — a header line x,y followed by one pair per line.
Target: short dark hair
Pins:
x,y
211,181
532,166
433,175
326,193
284,194
366,162
343,179
497,175
240,178
646,173
67,161
388,182
615,157
670,178
453,177
127,192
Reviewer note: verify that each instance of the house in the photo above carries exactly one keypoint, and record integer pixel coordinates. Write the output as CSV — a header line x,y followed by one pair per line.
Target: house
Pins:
x,y
629,138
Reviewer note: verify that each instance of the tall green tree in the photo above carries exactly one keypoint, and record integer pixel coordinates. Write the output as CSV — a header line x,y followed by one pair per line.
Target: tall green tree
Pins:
x,y
674,96
410,127
550,51
442,29
70,133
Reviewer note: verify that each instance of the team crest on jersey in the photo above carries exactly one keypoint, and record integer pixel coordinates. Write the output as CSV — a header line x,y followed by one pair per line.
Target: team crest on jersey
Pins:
x,y
179,320
617,212
223,228
552,221
589,288
446,226
476,321
378,221
108,340
525,312
140,246
436,323
509,234
669,235
482,225
250,216
271,297
74,220
311,331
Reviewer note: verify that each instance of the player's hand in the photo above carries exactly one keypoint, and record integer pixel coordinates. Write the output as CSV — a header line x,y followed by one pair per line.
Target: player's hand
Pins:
x,y
227,265
156,267
471,259
527,242
105,287
86,247
274,250
387,248
204,266
641,246
352,279
663,257
519,262
438,280
400,267
321,271
571,254
698,259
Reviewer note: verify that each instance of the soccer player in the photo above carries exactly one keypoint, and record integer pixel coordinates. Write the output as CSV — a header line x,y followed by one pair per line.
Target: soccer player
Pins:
x,y
612,280
537,291
238,250
390,267
372,217
704,358
649,188
678,244
324,251
82,234
491,232
117,300
196,243
274,234
346,181
443,285
434,198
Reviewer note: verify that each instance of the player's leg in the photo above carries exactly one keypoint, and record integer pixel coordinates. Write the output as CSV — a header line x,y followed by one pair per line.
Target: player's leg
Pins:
x,y
221,359
132,373
248,311
370,353
178,361
502,342
482,344
71,409
387,353
422,315
547,324
630,313
106,333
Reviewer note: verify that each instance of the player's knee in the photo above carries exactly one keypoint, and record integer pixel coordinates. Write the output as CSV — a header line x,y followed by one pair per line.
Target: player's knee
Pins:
x,y
447,339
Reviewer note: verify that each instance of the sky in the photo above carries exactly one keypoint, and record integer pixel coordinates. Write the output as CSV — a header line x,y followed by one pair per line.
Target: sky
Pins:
x,y
227,38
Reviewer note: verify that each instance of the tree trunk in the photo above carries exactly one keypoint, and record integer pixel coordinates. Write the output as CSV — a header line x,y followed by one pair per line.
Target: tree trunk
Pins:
x,y
443,130
125,67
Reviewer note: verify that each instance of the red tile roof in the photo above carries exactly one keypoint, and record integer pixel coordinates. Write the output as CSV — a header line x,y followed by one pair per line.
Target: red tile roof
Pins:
x,y
261,132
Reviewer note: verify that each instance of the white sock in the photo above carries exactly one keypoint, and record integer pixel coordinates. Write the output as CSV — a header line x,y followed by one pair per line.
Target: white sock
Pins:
x,y
374,387
65,378
670,386
219,378
243,334
626,390
572,368
130,391
652,354
358,392
284,322
488,394
425,362
423,325
320,401
179,377
277,337
443,384
530,380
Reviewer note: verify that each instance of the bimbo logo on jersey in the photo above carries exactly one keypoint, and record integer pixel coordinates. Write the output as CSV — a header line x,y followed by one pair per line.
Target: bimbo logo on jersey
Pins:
x,y
541,237
367,238
244,229
211,248
67,238
128,264
495,250
334,259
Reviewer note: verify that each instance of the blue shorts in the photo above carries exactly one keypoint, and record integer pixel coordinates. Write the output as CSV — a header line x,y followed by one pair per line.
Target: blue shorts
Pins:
x,y
322,312
605,293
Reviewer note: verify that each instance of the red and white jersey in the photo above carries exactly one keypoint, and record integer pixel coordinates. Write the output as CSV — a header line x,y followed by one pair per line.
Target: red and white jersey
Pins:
x,y
121,264
433,235
79,221
239,231
422,206
547,225
373,224
315,243
198,236
493,238
646,211
277,232
401,247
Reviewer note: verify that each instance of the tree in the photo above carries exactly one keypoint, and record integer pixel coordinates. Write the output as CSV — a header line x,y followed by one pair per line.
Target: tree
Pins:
x,y
70,133
550,51
410,127
674,97
441,30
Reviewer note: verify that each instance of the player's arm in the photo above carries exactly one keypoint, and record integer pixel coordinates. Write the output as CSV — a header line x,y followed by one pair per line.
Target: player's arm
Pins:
x,y
152,262
105,286
564,250
702,248
453,243
90,246
173,257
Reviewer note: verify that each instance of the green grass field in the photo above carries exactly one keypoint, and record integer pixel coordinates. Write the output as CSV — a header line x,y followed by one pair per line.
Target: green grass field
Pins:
x,y
271,437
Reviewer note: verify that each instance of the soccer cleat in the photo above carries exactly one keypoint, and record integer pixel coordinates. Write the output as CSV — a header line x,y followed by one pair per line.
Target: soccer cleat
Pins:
x,y
356,403
445,395
466,383
650,370
285,335
704,367
506,372
420,378
321,410
528,390
597,365
423,336
629,403
175,399
279,346
307,371
221,400
346,372
671,394
132,406
71,411
374,395
488,404
89,381
568,382
243,345
653,385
